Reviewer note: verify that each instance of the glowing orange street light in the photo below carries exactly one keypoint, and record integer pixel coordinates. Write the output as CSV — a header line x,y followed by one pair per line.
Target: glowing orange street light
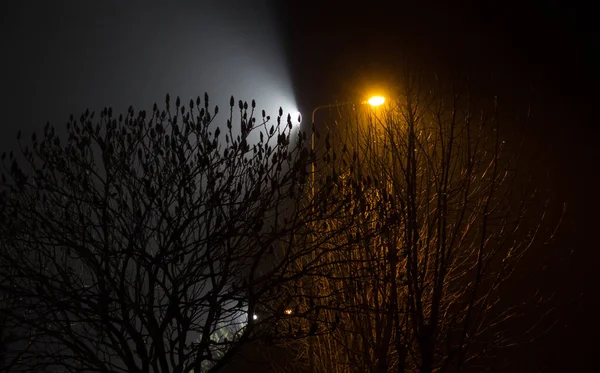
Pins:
x,y
373,101
376,101
288,311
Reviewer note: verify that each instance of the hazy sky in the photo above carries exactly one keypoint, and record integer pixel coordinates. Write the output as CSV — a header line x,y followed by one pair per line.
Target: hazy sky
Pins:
x,y
66,56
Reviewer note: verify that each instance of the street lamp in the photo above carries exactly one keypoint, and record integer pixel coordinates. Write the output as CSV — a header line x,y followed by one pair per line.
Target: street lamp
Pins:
x,y
373,101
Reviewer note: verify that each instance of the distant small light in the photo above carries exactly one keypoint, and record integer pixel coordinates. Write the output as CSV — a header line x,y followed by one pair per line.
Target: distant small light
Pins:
x,y
255,317
288,311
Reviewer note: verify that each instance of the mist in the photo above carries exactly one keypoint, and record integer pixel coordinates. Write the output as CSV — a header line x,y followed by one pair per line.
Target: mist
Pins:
x,y
88,55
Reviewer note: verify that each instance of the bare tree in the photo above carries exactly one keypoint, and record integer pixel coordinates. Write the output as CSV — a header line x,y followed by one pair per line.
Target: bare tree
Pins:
x,y
453,216
155,242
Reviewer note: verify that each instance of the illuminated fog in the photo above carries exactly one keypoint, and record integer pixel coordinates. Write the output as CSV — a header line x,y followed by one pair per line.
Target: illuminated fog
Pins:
x,y
108,54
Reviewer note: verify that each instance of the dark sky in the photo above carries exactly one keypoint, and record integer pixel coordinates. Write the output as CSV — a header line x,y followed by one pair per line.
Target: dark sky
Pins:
x,y
543,53
64,56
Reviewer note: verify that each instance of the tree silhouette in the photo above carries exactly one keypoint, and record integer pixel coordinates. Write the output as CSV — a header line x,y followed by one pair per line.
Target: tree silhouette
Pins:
x,y
156,242
452,218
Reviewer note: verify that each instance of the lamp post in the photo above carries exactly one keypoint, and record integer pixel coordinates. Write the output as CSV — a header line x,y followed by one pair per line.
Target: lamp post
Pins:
x,y
373,101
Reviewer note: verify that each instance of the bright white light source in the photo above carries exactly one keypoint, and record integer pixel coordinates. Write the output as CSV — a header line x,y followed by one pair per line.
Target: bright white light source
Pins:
x,y
295,116
255,317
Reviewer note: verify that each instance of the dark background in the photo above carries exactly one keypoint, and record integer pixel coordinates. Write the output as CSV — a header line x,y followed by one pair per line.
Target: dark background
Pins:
x,y
64,56
543,54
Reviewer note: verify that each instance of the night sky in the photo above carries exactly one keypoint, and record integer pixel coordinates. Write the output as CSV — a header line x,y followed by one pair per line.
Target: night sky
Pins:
x,y
61,57
539,53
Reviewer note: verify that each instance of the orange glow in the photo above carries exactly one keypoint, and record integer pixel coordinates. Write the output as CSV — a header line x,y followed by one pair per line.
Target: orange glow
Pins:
x,y
376,100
